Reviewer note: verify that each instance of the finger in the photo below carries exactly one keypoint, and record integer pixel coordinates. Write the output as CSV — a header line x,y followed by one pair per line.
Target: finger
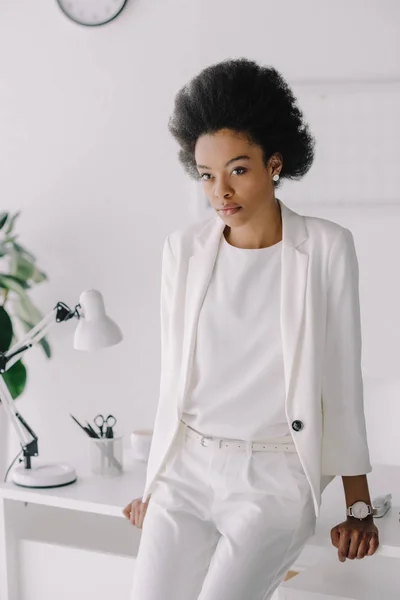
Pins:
x,y
126,511
355,540
133,512
343,544
144,511
335,537
373,544
140,517
137,513
363,546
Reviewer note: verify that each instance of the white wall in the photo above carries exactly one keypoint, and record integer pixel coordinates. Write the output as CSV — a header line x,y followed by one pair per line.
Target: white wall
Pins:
x,y
86,155
87,158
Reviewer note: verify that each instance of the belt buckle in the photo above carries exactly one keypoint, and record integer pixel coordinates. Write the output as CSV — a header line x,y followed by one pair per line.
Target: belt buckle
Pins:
x,y
205,437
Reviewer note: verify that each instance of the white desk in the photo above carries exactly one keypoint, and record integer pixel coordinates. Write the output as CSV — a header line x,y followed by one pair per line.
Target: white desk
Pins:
x,y
88,514
371,578
322,575
382,480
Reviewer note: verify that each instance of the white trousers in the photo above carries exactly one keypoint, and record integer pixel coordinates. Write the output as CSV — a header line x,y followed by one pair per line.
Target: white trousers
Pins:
x,y
222,524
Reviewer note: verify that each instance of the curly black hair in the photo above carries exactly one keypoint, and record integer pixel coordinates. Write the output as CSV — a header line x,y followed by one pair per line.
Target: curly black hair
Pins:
x,y
254,100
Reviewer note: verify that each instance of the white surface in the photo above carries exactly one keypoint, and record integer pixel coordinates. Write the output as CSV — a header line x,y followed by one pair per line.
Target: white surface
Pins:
x,y
93,575
79,166
371,578
78,516
43,475
90,493
92,498
319,564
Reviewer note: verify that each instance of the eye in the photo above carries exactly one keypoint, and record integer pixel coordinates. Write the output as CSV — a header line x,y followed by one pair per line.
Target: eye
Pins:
x,y
240,169
235,169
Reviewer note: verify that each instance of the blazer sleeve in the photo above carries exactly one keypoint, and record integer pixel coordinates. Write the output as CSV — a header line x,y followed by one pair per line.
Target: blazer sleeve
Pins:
x,y
344,441
168,270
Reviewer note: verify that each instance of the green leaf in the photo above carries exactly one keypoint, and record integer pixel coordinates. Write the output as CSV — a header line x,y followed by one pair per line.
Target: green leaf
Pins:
x,y
23,250
6,330
15,379
11,223
21,267
46,347
9,282
43,342
3,219
38,276
10,240
25,269
24,308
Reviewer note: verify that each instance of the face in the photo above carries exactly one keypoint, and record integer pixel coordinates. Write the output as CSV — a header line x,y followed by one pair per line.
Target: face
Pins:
x,y
233,172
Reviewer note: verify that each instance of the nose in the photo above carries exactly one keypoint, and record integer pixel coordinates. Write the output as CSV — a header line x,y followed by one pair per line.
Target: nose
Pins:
x,y
222,190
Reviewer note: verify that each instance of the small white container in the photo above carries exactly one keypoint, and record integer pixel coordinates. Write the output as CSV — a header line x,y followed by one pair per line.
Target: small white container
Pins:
x,y
106,456
141,442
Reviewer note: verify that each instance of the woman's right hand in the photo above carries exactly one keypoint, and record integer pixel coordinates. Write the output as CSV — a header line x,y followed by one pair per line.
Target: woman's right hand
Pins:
x,y
135,511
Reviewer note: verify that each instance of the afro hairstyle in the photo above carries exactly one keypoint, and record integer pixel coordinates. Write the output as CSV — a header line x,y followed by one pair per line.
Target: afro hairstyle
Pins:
x,y
240,95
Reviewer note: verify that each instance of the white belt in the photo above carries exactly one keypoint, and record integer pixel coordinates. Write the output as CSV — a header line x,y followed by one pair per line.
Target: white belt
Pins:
x,y
282,444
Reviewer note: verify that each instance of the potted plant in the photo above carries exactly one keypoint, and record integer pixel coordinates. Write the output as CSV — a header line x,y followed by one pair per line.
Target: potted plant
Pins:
x,y
18,274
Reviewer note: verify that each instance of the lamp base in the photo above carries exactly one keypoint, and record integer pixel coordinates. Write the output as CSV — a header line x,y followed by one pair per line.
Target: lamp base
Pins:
x,y
45,475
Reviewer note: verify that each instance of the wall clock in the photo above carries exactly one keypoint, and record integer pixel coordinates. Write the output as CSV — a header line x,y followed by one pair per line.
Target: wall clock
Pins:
x,y
91,12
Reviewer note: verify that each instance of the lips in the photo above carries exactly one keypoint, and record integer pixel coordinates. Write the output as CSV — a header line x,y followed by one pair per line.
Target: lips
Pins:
x,y
231,211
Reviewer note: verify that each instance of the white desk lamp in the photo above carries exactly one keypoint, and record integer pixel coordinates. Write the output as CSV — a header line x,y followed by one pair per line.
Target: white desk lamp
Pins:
x,y
95,330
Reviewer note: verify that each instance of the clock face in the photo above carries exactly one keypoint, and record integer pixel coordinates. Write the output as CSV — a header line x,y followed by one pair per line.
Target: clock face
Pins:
x,y
360,510
91,12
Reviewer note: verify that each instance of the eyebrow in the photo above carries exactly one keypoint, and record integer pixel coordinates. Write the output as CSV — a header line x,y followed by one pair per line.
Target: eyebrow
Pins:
x,y
241,157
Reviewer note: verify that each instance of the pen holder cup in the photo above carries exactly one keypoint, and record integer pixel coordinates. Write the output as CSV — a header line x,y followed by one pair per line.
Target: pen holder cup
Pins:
x,y
106,456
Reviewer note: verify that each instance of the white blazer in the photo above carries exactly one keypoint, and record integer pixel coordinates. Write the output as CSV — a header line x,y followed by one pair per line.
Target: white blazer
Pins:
x,y
321,339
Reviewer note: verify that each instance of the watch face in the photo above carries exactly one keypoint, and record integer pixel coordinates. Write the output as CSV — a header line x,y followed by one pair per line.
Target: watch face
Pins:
x,y
91,12
360,510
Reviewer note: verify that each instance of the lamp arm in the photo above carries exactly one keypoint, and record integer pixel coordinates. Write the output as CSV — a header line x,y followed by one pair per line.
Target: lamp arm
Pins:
x,y
26,435
61,312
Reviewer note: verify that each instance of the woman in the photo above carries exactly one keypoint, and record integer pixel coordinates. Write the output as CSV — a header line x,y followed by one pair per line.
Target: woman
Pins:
x,y
261,392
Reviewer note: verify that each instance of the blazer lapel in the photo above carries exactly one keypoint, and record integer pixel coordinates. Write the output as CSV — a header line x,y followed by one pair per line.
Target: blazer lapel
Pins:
x,y
293,288
199,273
293,291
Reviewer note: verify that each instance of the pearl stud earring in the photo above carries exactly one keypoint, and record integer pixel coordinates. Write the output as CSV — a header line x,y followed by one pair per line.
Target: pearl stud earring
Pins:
x,y
275,177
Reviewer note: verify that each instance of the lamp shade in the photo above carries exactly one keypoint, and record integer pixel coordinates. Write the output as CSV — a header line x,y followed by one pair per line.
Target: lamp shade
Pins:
x,y
95,329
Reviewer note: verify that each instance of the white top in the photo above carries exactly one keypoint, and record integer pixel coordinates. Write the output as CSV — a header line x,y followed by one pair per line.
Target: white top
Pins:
x,y
237,387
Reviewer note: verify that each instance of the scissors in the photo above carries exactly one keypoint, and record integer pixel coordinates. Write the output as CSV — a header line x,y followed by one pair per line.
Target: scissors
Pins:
x,y
109,423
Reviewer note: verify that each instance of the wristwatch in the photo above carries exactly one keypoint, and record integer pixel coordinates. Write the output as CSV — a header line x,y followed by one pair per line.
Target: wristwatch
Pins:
x,y
360,510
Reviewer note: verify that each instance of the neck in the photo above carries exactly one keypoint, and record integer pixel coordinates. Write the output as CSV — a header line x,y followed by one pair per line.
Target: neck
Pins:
x,y
263,231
